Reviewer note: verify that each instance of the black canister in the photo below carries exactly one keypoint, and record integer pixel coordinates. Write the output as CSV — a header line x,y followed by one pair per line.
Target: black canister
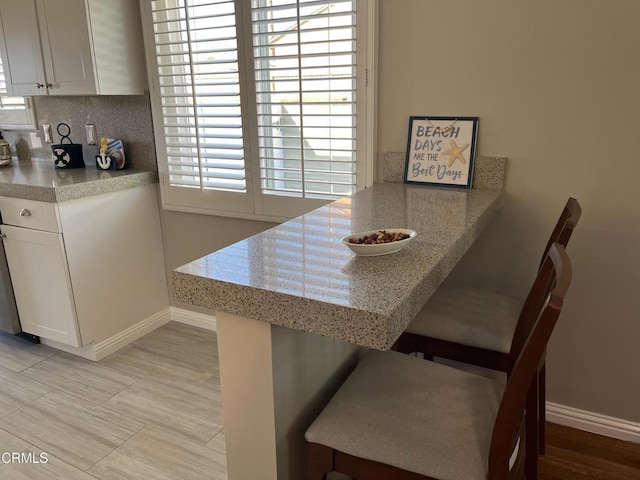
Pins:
x,y
67,155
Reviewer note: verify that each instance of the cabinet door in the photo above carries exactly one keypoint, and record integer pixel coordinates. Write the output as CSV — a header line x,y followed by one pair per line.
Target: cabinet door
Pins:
x,y
21,48
41,284
66,47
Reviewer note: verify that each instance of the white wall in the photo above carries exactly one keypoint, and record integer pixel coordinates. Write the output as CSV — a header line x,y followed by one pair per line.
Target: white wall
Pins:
x,y
556,84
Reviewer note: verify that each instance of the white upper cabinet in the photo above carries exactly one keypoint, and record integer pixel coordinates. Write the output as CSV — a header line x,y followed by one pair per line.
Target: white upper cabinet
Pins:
x,y
72,47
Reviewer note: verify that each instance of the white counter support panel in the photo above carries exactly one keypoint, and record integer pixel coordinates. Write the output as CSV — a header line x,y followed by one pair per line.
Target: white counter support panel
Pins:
x,y
275,381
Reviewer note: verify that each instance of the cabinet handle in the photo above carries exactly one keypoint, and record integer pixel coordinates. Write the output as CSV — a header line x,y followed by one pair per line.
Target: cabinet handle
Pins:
x,y
39,85
48,85
25,212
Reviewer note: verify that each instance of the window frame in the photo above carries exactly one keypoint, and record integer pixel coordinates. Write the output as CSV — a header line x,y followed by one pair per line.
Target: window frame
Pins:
x,y
253,204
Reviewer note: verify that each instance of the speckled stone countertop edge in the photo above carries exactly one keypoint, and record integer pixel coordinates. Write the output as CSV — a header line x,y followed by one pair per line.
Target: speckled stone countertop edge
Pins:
x,y
63,193
363,328
100,186
28,192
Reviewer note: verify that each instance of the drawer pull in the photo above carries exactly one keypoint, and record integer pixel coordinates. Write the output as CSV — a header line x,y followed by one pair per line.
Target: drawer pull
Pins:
x,y
25,212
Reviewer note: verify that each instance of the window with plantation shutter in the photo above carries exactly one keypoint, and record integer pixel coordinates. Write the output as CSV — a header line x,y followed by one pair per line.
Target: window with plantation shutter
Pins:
x,y
260,107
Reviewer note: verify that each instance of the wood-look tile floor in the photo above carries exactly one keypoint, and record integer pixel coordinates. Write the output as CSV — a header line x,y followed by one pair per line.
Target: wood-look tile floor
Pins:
x,y
151,410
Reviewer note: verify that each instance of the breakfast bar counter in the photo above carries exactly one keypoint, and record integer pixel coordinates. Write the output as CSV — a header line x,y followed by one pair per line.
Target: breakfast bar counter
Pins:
x,y
294,306
299,274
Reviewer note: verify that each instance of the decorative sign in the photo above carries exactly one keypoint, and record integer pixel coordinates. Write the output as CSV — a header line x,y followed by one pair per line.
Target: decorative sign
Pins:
x,y
440,151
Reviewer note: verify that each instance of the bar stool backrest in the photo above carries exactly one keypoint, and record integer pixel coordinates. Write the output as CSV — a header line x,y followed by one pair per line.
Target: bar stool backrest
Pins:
x,y
561,234
543,304
564,227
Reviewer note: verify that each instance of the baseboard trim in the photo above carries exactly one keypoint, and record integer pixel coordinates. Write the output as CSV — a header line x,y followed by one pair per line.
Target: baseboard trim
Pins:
x,y
125,337
84,352
99,350
593,422
195,319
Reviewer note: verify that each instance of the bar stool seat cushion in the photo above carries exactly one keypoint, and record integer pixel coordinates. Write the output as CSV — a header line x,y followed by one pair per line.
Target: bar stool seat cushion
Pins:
x,y
469,316
415,415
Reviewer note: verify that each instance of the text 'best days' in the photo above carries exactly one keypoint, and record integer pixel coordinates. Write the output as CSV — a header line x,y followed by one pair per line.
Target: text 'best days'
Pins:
x,y
440,172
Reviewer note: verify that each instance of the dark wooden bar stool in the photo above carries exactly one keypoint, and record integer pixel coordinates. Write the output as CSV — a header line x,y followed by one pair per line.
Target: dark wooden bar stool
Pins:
x,y
480,327
398,417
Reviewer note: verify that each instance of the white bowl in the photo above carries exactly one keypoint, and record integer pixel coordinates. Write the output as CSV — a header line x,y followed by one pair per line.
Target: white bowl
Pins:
x,y
370,250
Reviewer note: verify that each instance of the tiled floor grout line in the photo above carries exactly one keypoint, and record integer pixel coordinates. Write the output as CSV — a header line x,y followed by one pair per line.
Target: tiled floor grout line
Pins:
x,y
15,435
38,362
54,389
107,407
122,390
214,436
144,425
102,404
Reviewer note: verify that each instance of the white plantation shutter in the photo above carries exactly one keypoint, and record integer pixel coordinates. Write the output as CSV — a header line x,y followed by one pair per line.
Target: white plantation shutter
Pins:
x,y
199,87
254,103
305,71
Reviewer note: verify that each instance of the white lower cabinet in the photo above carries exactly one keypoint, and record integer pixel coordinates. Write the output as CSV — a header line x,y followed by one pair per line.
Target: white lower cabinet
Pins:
x,y
83,271
41,283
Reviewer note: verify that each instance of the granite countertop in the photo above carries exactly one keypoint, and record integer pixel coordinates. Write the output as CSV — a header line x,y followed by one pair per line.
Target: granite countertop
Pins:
x,y
300,275
40,180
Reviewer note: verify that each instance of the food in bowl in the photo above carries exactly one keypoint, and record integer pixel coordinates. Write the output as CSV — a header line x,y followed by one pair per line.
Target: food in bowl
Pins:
x,y
381,236
378,242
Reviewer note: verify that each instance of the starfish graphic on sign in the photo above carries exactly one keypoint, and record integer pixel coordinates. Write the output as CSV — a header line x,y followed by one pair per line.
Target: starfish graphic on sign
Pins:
x,y
455,152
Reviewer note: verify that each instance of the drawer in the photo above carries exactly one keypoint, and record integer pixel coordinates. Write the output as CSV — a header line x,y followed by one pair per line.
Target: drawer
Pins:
x,y
30,214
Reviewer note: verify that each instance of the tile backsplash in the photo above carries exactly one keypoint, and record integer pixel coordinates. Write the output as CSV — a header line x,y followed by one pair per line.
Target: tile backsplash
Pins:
x,y
127,117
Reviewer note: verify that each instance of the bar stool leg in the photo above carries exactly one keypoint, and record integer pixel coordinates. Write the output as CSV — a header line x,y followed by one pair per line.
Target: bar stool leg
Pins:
x,y
319,462
542,407
531,431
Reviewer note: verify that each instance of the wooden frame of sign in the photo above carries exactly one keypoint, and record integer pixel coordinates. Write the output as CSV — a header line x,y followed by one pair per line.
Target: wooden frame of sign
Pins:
x,y
440,151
